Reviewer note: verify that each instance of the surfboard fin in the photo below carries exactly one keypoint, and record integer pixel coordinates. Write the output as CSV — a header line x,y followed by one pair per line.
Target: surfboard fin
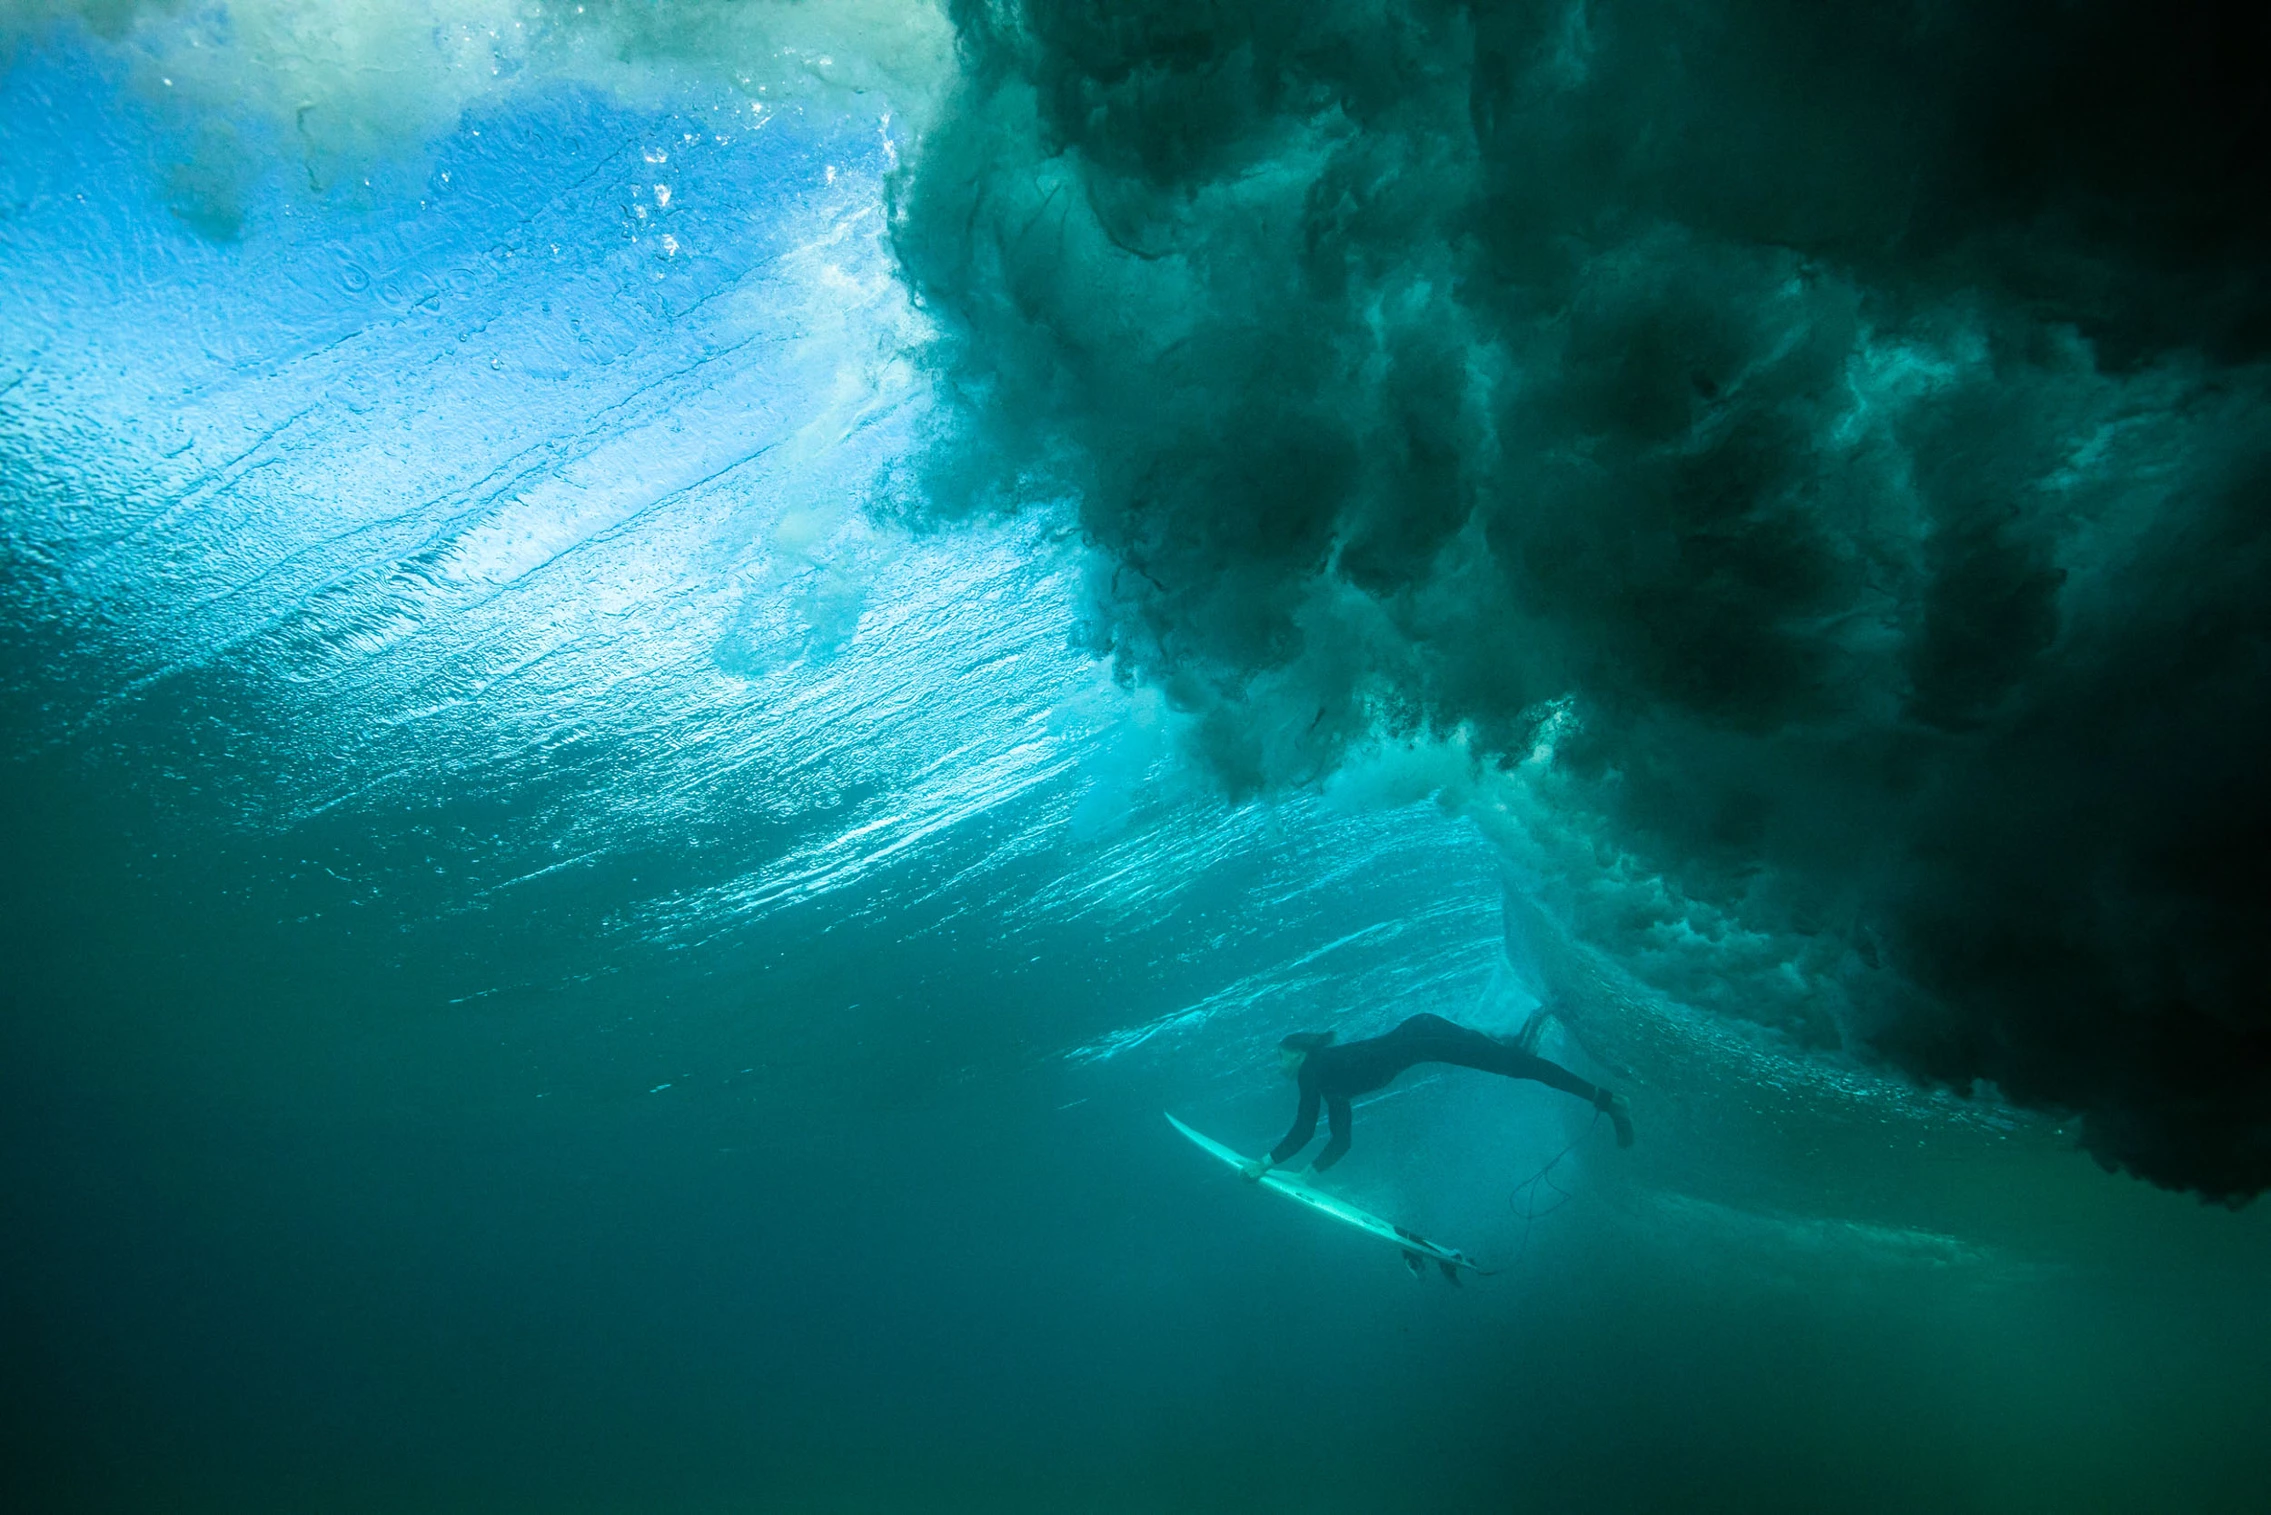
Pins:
x,y
1449,1271
1416,1263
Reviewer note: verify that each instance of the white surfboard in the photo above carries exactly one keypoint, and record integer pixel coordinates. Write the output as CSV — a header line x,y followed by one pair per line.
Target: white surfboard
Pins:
x,y
1415,1246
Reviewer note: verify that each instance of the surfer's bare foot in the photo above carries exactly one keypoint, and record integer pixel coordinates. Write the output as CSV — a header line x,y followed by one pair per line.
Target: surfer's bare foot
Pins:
x,y
1255,1169
1619,1112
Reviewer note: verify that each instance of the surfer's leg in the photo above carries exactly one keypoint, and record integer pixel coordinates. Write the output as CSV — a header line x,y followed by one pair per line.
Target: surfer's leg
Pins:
x,y
1611,1104
1471,1049
1436,1040
1515,1063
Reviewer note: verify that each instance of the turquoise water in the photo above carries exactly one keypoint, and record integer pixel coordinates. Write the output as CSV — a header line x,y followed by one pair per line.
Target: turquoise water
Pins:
x,y
621,821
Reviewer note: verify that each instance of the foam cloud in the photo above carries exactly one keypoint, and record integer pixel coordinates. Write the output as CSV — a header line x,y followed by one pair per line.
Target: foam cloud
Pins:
x,y
1812,458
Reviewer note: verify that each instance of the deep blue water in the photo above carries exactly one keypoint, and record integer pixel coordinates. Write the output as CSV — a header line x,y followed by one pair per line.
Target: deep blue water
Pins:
x,y
570,944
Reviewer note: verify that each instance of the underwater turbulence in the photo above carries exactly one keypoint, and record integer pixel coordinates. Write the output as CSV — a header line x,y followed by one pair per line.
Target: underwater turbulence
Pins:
x,y
666,670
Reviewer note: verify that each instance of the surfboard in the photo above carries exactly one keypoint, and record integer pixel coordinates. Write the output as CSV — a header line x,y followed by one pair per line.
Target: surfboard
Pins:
x,y
1415,1246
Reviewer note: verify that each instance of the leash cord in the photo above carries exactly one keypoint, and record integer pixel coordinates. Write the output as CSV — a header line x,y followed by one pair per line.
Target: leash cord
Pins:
x,y
1525,1193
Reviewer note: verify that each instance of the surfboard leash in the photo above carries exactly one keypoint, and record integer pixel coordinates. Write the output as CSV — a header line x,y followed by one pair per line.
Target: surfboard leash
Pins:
x,y
1531,1214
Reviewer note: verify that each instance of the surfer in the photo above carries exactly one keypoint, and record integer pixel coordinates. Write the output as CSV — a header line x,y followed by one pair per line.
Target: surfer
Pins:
x,y
1334,1073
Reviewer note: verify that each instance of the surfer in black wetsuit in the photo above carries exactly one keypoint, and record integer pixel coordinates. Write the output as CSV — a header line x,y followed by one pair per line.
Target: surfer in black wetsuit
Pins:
x,y
1333,1074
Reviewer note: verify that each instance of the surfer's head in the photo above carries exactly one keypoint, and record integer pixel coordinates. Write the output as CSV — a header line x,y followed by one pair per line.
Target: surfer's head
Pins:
x,y
1295,1049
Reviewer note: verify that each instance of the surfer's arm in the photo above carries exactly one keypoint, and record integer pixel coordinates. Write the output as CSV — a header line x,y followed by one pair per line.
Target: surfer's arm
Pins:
x,y
1304,1127
1339,1111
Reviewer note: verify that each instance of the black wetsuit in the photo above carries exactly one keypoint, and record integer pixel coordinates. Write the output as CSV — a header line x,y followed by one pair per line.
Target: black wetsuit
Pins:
x,y
1338,1072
